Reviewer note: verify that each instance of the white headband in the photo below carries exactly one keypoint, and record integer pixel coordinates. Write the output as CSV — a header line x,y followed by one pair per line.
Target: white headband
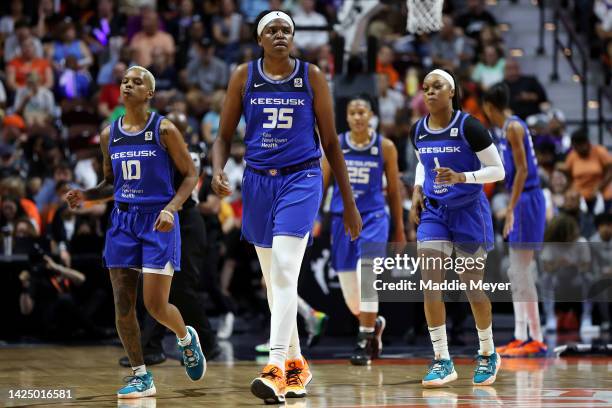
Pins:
x,y
273,15
444,75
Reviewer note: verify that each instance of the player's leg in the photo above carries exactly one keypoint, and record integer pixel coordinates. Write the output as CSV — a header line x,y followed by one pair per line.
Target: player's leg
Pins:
x,y
125,288
433,237
314,320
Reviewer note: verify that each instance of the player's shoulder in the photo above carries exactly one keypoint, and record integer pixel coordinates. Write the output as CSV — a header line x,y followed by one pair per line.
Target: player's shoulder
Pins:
x,y
515,126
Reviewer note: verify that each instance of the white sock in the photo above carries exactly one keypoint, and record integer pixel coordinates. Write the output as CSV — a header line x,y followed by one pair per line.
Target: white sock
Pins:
x,y
533,317
185,341
363,329
349,283
485,338
440,344
294,352
287,254
520,321
140,370
304,308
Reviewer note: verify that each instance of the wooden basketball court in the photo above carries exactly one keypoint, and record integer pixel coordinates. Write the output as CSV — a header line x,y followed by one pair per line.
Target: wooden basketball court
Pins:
x,y
93,376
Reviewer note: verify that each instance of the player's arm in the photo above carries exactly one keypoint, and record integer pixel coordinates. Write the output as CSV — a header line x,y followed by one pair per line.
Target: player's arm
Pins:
x,y
172,139
230,116
324,112
104,190
480,142
327,177
418,203
515,134
393,191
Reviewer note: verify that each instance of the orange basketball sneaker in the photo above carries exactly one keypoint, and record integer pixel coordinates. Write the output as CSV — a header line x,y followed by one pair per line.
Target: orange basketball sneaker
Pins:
x,y
513,344
270,385
531,348
297,377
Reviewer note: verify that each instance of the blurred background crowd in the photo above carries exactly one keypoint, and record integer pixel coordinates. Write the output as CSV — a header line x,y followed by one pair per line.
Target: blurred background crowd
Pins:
x,y
60,71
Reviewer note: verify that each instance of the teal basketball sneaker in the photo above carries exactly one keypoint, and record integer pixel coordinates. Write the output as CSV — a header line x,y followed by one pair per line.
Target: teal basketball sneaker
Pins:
x,y
486,370
138,386
440,372
193,358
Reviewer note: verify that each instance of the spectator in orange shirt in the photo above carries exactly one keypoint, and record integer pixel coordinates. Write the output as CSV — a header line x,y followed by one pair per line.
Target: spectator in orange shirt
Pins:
x,y
18,68
384,65
590,167
149,38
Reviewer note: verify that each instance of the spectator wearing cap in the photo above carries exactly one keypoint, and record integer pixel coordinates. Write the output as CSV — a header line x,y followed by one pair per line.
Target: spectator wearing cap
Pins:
x,y
34,102
207,72
13,129
18,68
149,38
475,18
527,95
450,48
226,28
590,167
305,15
68,44
12,45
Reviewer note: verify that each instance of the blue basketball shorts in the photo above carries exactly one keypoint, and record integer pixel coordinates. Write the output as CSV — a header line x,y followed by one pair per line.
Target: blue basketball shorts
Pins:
x,y
346,253
131,241
279,205
469,227
529,220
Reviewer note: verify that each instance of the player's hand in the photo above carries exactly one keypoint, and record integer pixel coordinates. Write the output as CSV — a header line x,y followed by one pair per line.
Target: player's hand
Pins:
x,y
509,223
417,205
74,198
164,221
220,184
352,221
448,176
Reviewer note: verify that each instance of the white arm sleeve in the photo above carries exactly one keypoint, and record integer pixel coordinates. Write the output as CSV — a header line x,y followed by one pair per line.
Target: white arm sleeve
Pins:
x,y
419,176
492,167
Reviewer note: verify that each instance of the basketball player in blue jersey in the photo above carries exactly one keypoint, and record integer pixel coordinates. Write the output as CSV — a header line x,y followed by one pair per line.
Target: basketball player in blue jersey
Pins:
x,y
141,151
283,99
368,157
456,156
525,221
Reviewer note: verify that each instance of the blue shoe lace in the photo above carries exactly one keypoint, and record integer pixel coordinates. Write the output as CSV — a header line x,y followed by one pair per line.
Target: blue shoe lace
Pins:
x,y
485,365
134,380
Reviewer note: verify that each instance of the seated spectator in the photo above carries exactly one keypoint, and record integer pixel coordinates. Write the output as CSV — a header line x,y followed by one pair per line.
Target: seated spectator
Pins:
x,y
389,102
490,68
9,21
68,44
450,48
527,95
12,45
226,31
180,24
490,35
149,38
475,18
47,195
210,121
102,26
207,72
590,167
10,212
118,53
188,49
166,79
557,130
559,184
15,186
34,102
20,67
74,82
305,15
110,93
384,65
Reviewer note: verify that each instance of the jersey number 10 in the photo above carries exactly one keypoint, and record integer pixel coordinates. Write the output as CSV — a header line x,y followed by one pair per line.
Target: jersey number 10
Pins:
x,y
130,169
278,118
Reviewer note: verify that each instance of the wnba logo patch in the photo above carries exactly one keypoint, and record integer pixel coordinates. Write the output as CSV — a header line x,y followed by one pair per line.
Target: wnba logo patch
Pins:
x,y
148,135
454,132
374,150
297,82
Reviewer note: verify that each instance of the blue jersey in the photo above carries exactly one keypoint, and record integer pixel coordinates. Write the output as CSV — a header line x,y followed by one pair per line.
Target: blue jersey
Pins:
x,y
365,167
142,168
280,119
447,147
532,180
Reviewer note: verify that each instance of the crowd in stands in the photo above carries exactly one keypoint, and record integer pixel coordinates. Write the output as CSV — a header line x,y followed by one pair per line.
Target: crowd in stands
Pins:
x,y
60,73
